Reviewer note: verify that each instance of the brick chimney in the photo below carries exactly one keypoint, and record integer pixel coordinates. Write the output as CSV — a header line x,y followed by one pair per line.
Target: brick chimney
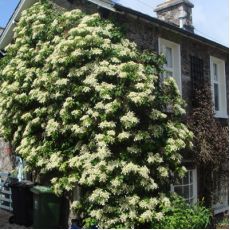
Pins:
x,y
177,12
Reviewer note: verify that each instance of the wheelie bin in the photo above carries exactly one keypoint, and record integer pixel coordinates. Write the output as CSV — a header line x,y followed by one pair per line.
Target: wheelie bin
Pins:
x,y
46,208
22,202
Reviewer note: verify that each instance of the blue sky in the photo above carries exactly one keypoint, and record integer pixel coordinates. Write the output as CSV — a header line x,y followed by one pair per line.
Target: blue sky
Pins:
x,y
7,8
210,17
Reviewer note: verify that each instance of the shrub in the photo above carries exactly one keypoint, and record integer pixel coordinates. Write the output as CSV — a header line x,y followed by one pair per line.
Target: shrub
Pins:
x,y
181,215
79,101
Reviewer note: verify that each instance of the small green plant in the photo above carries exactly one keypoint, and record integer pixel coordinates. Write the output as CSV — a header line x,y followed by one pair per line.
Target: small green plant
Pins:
x,y
181,215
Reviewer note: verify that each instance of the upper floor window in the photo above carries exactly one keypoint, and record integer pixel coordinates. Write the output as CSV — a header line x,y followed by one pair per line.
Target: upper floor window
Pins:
x,y
218,83
172,54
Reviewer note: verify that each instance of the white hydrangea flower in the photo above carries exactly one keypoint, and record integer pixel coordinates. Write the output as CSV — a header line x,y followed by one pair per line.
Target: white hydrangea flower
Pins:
x,y
54,161
154,158
159,216
99,196
163,171
107,124
123,217
144,172
134,200
146,216
166,201
124,136
52,127
62,82
26,116
129,120
116,182
96,214
130,167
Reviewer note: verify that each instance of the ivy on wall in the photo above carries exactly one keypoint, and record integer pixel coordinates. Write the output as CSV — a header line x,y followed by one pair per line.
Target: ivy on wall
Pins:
x,y
79,100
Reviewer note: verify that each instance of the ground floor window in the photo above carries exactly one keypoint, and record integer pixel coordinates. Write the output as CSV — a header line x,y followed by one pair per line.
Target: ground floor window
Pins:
x,y
187,186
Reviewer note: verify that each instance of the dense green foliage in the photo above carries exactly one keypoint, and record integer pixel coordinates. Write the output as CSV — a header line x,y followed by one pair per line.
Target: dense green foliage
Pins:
x,y
181,215
80,102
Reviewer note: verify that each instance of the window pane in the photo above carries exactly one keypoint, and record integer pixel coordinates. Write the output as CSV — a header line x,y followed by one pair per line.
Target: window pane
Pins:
x,y
216,96
186,178
182,191
178,190
185,192
215,70
185,187
168,55
178,182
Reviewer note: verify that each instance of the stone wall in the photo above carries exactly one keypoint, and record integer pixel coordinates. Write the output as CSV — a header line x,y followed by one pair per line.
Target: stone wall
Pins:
x,y
5,156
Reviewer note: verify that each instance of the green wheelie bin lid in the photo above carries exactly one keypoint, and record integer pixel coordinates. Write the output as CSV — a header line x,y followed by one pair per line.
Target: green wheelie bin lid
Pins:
x,y
38,189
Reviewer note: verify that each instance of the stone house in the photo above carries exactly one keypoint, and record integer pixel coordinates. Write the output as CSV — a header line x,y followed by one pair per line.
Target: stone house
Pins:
x,y
189,57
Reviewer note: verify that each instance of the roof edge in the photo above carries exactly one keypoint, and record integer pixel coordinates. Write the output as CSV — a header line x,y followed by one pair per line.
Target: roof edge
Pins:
x,y
8,31
169,26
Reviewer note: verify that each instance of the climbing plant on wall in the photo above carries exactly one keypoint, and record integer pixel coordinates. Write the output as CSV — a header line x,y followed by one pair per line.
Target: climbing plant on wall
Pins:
x,y
79,100
211,141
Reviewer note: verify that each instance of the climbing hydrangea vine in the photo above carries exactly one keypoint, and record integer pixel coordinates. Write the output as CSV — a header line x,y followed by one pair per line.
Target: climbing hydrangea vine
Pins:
x,y
80,102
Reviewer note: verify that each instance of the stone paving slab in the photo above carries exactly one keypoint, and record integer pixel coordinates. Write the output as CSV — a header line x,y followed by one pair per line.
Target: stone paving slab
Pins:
x,y
4,221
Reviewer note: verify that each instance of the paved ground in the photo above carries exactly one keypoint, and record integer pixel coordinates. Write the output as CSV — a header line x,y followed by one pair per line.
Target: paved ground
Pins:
x,y
4,221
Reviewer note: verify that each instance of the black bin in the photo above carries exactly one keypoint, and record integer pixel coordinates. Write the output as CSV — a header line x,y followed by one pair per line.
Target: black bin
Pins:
x,y
22,202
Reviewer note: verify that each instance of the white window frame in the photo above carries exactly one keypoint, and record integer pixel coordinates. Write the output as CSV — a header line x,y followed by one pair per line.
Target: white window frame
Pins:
x,y
176,59
221,82
194,185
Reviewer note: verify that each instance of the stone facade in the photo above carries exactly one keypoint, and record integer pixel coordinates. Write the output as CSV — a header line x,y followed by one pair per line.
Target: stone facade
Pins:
x,y
5,156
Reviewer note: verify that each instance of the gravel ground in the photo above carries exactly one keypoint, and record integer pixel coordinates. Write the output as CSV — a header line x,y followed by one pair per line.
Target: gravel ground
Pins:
x,y
4,221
